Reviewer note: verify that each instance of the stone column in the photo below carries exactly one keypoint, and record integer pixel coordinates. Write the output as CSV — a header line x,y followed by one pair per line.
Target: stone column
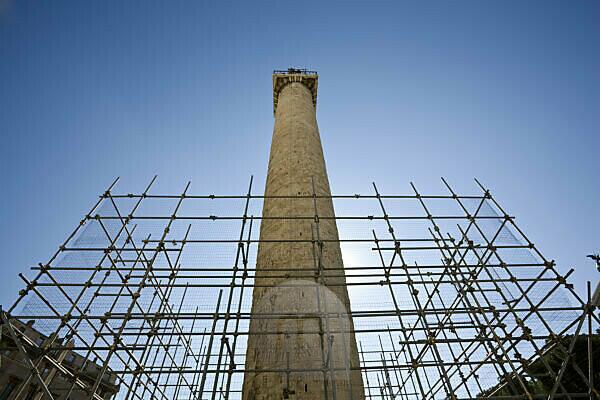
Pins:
x,y
301,344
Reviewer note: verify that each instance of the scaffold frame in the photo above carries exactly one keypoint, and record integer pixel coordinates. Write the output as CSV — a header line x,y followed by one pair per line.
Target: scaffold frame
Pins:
x,y
450,300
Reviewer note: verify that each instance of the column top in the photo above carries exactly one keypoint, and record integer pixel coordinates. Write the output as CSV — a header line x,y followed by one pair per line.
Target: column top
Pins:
x,y
281,78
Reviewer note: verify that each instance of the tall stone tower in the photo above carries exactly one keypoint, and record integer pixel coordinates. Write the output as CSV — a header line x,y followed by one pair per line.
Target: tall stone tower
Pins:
x,y
301,343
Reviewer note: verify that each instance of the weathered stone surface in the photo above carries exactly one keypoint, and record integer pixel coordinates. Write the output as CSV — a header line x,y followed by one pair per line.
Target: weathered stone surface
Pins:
x,y
311,354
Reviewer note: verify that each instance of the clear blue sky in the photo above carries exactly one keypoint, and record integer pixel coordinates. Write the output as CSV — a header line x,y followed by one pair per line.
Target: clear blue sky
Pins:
x,y
508,92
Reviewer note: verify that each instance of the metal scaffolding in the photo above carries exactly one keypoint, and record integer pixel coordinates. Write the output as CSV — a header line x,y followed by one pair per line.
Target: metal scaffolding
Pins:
x,y
449,299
